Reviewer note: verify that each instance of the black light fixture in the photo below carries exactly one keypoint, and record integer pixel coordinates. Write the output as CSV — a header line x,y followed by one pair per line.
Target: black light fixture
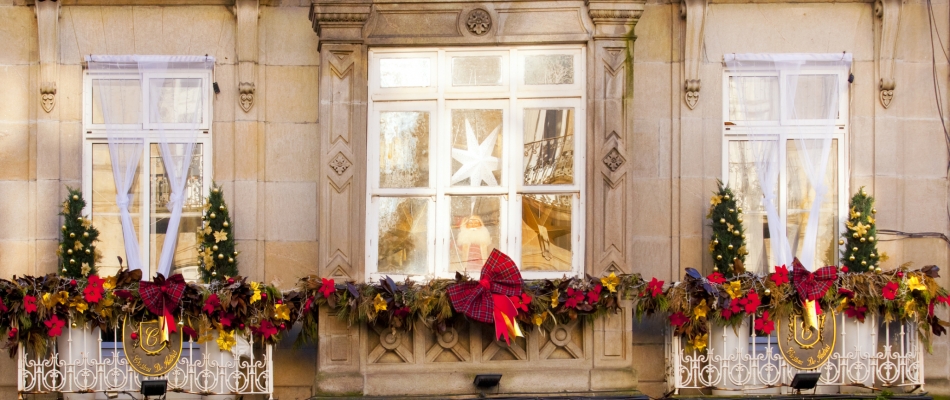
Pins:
x,y
486,381
154,388
805,380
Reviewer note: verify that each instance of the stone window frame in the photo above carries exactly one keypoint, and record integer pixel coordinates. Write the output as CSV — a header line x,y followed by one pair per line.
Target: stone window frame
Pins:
x,y
439,98
96,134
784,130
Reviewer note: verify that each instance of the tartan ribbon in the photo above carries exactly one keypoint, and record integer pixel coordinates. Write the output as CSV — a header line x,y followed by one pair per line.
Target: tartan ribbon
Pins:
x,y
488,299
161,297
812,286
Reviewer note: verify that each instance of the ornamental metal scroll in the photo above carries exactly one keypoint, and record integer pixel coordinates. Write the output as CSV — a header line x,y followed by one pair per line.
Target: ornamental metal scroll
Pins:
x,y
147,351
806,348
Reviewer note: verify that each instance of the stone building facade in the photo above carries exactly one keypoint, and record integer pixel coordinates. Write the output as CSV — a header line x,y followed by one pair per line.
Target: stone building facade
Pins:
x,y
290,138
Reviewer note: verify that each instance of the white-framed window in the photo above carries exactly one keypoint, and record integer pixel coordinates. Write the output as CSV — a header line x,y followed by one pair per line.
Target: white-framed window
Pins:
x,y
471,149
765,117
118,101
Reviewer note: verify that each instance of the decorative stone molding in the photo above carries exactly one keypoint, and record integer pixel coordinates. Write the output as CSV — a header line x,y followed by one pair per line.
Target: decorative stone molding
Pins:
x,y
339,22
246,99
478,22
694,12
614,19
47,25
47,95
889,11
340,164
613,160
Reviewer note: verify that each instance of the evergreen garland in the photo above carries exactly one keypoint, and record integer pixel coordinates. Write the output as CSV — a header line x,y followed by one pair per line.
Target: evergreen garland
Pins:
x,y
859,240
727,244
77,251
216,253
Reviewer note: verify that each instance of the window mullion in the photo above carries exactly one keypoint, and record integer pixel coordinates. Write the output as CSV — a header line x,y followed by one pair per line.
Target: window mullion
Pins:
x,y
515,176
145,216
439,224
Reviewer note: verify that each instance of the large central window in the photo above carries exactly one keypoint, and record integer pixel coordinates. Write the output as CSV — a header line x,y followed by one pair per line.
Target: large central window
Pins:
x,y
472,150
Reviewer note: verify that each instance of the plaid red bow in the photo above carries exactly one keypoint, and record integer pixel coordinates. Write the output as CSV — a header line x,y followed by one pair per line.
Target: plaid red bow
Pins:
x,y
161,297
812,285
487,300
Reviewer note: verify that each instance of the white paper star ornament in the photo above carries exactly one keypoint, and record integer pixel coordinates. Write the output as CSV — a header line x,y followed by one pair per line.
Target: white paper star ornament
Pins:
x,y
478,164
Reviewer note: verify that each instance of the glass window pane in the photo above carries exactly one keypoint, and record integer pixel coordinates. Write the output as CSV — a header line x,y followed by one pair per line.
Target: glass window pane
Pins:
x,y
753,98
403,235
801,195
475,229
105,213
548,146
549,69
116,101
403,149
404,72
546,243
816,96
185,260
476,71
744,181
477,140
176,101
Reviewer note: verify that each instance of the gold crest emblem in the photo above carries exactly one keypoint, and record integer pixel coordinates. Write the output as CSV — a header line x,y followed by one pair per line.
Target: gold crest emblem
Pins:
x,y
149,351
806,347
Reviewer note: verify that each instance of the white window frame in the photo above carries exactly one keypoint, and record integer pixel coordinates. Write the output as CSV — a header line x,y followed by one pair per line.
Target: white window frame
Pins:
x,y
96,134
439,98
786,129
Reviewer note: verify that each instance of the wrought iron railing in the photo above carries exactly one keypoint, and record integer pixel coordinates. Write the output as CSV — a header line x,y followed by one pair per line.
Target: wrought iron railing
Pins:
x,y
868,354
548,160
81,362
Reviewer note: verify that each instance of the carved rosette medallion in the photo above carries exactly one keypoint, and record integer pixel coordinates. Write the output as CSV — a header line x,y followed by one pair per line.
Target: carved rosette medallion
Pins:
x,y
47,95
340,164
479,22
613,160
806,348
246,90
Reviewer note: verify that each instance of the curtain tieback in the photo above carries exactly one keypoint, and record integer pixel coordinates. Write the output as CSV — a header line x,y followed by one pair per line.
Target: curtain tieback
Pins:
x,y
175,200
123,201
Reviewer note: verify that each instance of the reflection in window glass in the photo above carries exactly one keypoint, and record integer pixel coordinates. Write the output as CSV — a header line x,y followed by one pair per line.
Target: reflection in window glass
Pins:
x,y
477,139
403,149
476,71
801,194
404,72
105,212
548,146
175,101
475,227
121,99
546,232
815,96
552,69
753,98
744,181
403,234
185,260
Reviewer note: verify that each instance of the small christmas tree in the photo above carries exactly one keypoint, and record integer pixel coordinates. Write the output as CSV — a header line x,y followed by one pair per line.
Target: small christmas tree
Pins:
x,y
860,246
77,251
216,253
727,244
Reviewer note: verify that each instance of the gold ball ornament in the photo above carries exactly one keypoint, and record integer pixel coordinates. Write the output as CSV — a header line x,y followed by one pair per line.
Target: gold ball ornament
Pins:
x,y
857,214
64,228
743,236
740,220
841,242
715,241
70,251
215,190
740,210
736,232
716,269
221,207
213,216
878,270
74,324
873,211
768,291
873,255
851,258
730,247
75,197
731,211
722,220
871,238
72,235
863,193
225,224
88,252
213,273
855,235
865,263
230,260
215,248
85,234
220,256
72,260
79,219
726,197
854,249
719,257
64,269
863,240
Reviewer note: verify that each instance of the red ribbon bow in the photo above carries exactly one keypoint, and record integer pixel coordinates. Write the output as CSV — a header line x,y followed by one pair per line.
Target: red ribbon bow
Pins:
x,y
812,286
161,297
488,299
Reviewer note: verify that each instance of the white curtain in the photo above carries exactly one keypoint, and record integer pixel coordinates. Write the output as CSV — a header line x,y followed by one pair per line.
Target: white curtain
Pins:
x,y
173,110
797,94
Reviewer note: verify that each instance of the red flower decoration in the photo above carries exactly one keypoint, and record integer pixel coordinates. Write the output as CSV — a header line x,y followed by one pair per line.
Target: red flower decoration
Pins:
x,y
844,268
327,288
307,304
55,326
890,290
764,324
593,296
846,293
29,303
522,302
574,297
3,307
226,321
93,291
735,307
655,287
751,303
716,278
266,330
189,332
855,312
678,319
780,276
211,304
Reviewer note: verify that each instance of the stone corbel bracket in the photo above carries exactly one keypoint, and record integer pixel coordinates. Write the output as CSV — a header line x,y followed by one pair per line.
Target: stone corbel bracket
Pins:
x,y
47,25
47,95
246,91
694,12
889,11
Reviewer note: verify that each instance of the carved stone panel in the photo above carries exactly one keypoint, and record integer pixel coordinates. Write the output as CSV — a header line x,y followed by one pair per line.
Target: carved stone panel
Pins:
x,y
563,342
494,350
451,346
389,346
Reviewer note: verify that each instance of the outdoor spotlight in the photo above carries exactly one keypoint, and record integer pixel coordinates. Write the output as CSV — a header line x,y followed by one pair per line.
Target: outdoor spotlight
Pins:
x,y
112,395
154,388
217,89
487,381
805,380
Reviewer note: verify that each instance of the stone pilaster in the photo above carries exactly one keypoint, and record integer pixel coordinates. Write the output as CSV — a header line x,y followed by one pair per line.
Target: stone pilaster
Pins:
x,y
48,138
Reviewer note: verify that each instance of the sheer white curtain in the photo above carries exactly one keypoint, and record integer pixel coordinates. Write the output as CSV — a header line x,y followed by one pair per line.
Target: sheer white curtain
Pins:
x,y
796,95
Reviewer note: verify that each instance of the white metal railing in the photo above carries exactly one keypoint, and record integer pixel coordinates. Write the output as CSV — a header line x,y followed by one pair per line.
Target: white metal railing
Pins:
x,y
875,355
66,367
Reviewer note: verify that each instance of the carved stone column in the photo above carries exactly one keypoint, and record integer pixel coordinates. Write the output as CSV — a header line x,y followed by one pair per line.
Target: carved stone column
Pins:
x,y
610,207
343,91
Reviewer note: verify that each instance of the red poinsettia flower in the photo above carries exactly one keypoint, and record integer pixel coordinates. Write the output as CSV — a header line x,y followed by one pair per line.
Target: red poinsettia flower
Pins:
x,y
327,288
846,293
764,324
211,304
55,326
574,297
735,307
780,276
857,313
3,307
678,319
655,288
890,290
752,302
93,291
716,278
266,330
306,305
521,302
401,312
593,296
29,304
122,293
225,321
